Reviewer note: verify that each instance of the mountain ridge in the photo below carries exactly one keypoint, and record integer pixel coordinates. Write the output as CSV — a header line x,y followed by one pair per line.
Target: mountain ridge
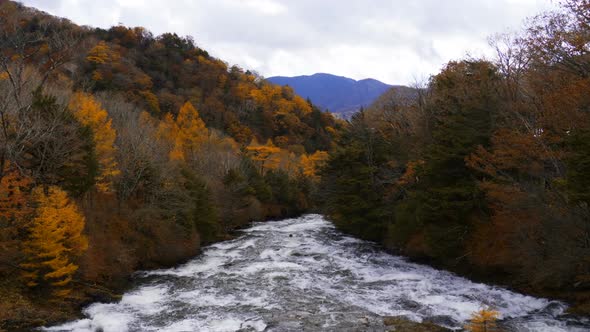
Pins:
x,y
339,94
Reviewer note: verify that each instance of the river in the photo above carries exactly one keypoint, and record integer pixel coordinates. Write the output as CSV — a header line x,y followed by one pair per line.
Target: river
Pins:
x,y
303,275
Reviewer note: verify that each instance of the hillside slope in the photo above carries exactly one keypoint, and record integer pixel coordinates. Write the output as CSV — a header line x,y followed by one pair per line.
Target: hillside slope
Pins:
x,y
121,150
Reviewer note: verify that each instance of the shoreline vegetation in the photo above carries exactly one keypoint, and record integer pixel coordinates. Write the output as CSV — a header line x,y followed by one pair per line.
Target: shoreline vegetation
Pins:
x,y
123,151
484,170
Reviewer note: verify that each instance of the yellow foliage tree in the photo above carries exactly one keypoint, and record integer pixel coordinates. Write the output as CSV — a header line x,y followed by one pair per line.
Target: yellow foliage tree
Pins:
x,y
279,100
192,132
167,132
267,155
312,163
55,240
483,321
302,105
101,54
166,128
89,112
187,133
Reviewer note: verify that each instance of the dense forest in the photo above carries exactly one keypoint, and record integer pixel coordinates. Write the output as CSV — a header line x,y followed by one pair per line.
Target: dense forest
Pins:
x,y
486,170
120,150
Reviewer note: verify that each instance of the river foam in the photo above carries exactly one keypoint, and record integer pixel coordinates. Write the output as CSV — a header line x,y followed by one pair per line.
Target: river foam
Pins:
x,y
300,274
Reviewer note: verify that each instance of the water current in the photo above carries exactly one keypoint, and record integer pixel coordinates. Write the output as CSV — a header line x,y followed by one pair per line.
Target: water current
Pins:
x,y
303,275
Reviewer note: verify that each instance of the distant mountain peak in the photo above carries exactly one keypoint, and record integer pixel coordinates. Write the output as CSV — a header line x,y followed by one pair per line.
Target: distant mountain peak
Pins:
x,y
338,94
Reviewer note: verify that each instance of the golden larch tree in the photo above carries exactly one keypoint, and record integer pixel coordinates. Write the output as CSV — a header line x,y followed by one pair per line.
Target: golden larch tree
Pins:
x,y
168,132
267,156
101,54
89,112
483,321
186,134
312,163
55,240
191,133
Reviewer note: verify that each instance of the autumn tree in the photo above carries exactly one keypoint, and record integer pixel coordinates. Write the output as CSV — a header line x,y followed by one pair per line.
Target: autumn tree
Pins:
x,y
30,53
101,54
177,180
50,144
312,163
48,43
191,134
186,133
265,155
104,63
13,194
483,321
447,198
15,210
56,240
141,157
532,180
91,114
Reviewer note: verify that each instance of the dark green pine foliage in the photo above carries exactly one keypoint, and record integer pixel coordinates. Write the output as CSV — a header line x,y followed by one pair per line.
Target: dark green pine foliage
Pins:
x,y
578,166
200,208
258,186
67,158
351,189
283,191
447,199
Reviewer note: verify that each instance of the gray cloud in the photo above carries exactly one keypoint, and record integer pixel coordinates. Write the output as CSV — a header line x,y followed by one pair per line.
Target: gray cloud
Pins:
x,y
391,40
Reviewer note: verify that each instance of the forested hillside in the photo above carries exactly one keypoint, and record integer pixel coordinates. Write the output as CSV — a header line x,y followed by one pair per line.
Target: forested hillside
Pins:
x,y
121,150
487,170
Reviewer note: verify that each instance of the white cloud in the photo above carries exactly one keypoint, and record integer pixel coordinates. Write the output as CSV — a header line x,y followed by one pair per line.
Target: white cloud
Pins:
x,y
392,40
267,7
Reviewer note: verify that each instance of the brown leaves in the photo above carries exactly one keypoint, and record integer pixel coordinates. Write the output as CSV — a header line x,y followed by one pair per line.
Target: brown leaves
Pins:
x,y
511,152
410,176
14,194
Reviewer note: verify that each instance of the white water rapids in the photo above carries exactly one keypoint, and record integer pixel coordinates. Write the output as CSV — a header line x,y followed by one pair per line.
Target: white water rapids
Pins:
x,y
303,275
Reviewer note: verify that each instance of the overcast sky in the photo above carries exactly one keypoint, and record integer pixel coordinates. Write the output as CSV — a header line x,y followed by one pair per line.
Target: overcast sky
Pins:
x,y
396,41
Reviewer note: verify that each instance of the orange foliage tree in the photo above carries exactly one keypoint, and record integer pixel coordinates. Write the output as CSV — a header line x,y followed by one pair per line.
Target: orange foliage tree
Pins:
x,y
55,240
312,163
101,53
186,134
192,132
483,321
14,213
13,194
90,113
267,156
